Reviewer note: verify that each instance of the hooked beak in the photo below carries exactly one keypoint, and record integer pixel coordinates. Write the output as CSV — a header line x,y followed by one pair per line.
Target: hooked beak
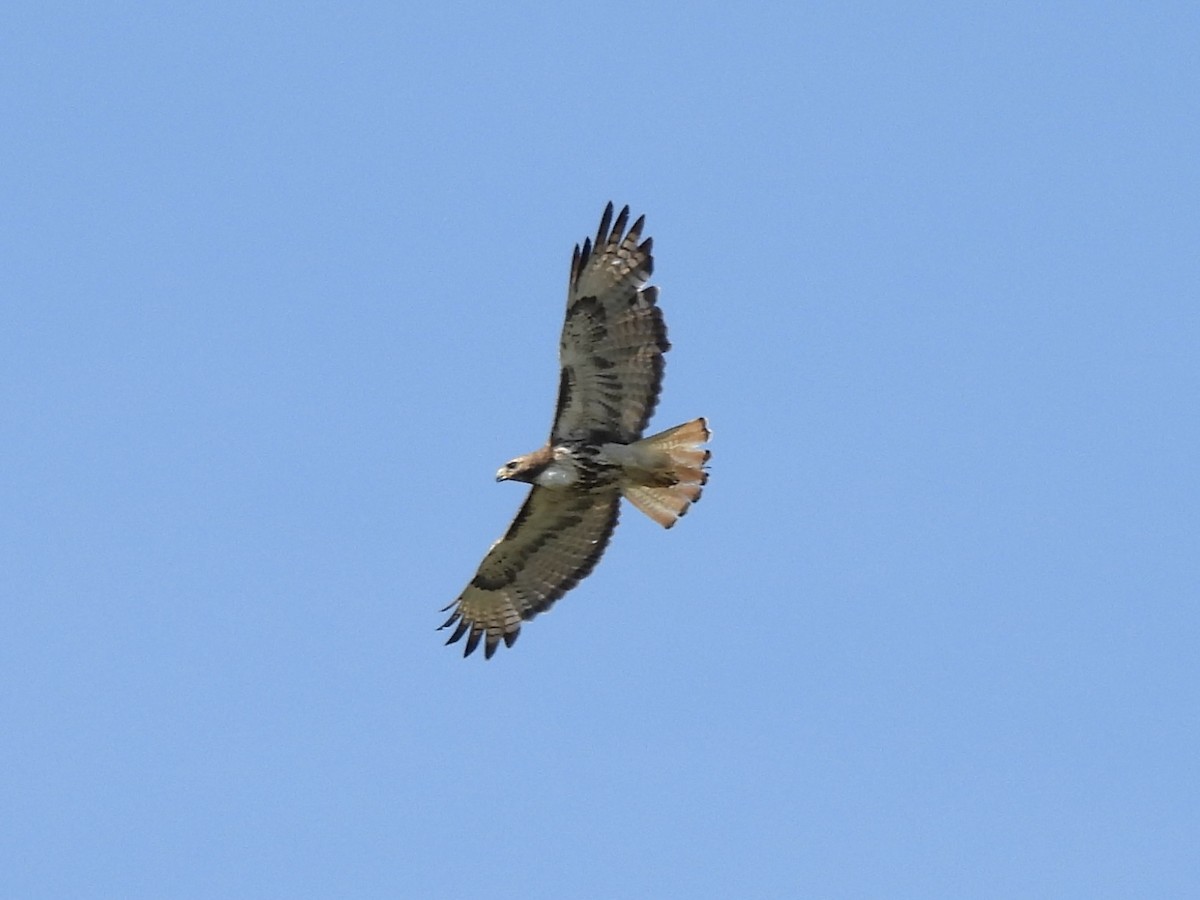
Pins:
x,y
501,475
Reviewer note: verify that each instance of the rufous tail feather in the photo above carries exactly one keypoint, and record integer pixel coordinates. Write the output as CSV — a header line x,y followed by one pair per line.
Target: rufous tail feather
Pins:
x,y
670,474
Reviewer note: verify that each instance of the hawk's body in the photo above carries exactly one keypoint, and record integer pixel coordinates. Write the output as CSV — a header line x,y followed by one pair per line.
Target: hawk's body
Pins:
x,y
611,357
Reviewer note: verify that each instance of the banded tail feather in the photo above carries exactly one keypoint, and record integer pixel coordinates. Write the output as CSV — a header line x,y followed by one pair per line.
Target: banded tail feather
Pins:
x,y
669,473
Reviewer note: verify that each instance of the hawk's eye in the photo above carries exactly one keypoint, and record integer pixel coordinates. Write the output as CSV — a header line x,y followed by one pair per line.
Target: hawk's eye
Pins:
x,y
510,466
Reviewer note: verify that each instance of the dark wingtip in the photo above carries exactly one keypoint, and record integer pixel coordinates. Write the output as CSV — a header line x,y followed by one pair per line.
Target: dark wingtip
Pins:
x,y
458,632
622,219
472,641
605,222
582,256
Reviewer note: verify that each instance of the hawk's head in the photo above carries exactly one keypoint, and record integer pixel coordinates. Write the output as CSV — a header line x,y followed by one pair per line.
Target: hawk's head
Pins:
x,y
525,468
520,469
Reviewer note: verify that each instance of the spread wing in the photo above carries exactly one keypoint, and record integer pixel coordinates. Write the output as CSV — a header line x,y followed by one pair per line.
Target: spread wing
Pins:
x,y
613,339
555,540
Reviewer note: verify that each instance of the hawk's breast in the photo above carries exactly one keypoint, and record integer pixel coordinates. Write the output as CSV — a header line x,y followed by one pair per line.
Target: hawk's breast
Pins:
x,y
580,466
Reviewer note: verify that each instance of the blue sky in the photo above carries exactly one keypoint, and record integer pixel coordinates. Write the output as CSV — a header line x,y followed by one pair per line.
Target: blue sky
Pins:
x,y
281,288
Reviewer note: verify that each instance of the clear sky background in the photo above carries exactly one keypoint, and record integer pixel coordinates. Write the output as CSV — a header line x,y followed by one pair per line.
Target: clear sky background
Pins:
x,y
280,288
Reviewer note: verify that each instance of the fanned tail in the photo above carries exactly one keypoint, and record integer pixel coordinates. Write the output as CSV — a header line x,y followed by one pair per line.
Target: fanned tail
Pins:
x,y
667,471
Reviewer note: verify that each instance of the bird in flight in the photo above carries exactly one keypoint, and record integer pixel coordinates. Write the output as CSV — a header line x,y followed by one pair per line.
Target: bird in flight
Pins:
x,y
611,371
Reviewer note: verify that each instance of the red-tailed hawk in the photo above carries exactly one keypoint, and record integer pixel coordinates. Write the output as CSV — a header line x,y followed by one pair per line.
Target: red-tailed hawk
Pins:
x,y
611,357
